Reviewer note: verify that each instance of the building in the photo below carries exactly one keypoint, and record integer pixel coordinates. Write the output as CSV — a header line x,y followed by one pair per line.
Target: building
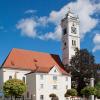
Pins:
x,y
43,73
43,83
70,36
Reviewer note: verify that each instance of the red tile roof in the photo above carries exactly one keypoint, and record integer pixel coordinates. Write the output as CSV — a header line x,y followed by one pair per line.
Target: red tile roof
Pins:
x,y
34,61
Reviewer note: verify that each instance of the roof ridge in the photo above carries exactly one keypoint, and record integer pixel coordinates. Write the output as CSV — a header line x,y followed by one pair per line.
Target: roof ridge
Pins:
x,y
33,51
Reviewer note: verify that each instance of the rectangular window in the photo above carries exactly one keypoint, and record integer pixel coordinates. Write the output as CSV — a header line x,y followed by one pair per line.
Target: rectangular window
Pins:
x,y
41,77
54,86
41,86
73,43
10,77
54,78
66,86
66,78
41,97
23,79
28,94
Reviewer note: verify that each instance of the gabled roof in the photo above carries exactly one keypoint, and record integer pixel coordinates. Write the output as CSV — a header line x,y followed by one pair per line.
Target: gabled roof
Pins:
x,y
34,61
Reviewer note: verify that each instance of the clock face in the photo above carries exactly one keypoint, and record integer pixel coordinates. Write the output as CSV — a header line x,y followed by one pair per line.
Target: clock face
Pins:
x,y
73,30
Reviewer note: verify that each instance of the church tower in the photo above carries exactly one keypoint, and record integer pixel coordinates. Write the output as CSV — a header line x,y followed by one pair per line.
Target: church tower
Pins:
x,y
70,36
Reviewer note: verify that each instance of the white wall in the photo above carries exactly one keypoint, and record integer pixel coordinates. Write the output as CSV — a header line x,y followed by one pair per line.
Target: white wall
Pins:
x,y
11,72
48,83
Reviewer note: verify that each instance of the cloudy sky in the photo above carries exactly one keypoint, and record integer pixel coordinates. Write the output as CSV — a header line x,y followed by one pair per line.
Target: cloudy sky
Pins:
x,y
35,25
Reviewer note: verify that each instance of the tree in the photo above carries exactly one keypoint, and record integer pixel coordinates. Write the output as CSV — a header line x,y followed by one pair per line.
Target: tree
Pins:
x,y
71,92
82,68
88,90
97,66
14,87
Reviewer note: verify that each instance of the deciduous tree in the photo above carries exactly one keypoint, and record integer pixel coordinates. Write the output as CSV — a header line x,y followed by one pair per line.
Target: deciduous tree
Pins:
x,y
14,87
82,68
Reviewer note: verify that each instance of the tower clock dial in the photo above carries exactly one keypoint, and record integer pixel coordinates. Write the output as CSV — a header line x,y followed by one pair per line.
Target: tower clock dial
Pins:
x,y
73,29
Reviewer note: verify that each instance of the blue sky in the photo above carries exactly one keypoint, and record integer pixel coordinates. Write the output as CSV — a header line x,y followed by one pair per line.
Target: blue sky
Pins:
x,y
35,25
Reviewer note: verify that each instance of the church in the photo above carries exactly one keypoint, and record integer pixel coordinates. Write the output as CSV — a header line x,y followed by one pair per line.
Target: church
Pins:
x,y
43,73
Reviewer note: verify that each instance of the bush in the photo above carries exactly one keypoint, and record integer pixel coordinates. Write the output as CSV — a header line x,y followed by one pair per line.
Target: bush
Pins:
x,y
97,86
88,90
71,92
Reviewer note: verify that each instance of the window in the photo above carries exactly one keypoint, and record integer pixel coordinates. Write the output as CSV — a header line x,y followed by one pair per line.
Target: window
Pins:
x,y
54,86
54,78
55,70
10,77
65,43
41,77
66,86
41,97
73,43
64,31
23,79
27,94
41,86
66,78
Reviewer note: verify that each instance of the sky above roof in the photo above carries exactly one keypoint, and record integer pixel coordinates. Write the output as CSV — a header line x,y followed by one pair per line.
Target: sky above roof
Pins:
x,y
35,25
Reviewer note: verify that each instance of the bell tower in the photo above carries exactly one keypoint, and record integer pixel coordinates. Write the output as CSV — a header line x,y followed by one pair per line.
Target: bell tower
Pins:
x,y
70,36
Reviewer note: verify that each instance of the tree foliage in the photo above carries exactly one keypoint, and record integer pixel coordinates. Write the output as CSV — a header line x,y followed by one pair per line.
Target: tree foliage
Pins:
x,y
82,68
97,66
88,90
83,63
14,87
71,92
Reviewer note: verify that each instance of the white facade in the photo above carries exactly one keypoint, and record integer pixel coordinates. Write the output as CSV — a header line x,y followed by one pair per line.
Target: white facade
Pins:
x,y
70,36
8,73
41,85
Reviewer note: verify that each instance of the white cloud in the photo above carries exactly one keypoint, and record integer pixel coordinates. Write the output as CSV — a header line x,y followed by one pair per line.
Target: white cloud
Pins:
x,y
43,21
96,41
30,11
27,27
54,36
84,8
